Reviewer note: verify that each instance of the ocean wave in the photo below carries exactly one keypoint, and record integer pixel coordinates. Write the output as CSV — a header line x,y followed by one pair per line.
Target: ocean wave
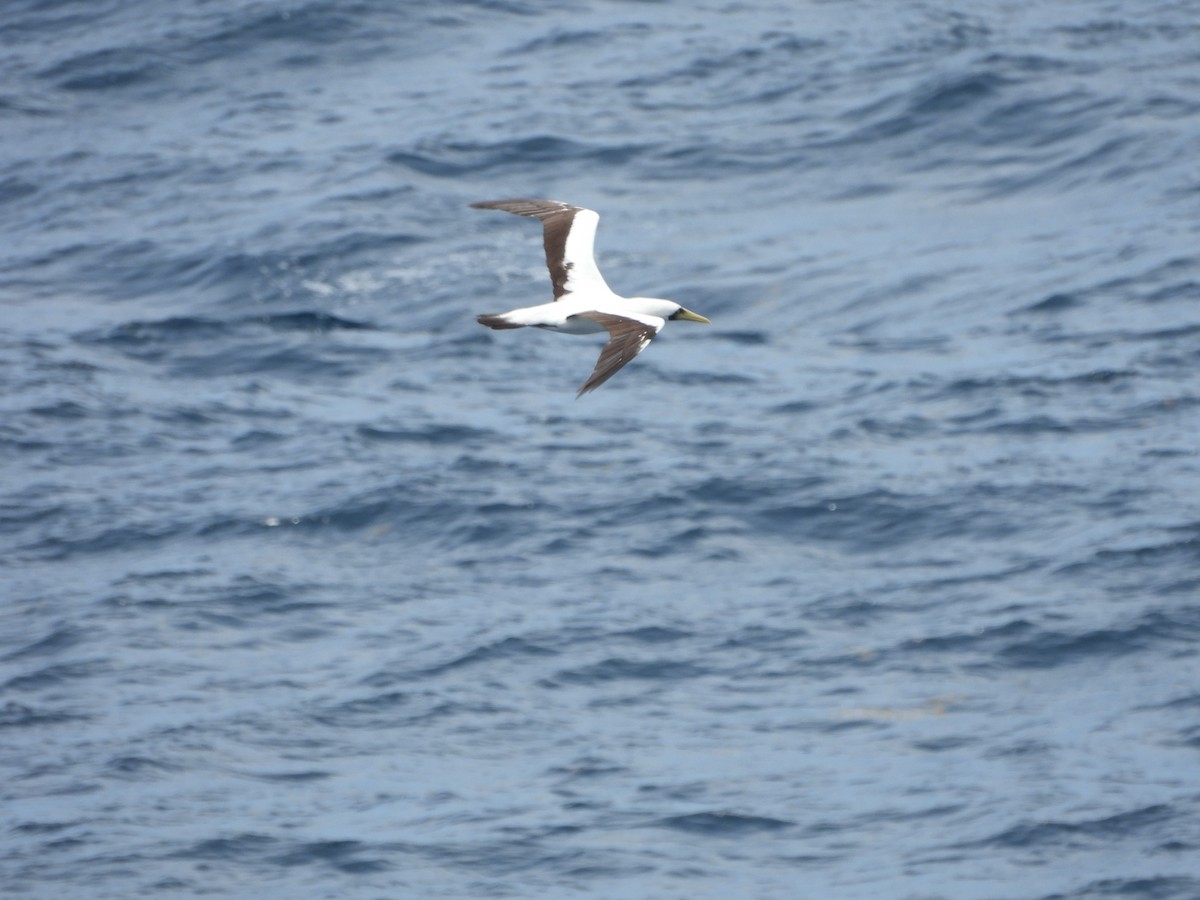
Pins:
x,y
447,158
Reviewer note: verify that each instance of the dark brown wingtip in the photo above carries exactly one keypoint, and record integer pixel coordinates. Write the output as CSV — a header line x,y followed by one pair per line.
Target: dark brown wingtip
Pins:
x,y
494,320
627,338
556,218
501,204
529,206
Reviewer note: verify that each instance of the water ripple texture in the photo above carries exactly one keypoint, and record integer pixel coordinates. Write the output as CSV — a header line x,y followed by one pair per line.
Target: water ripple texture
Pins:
x,y
884,585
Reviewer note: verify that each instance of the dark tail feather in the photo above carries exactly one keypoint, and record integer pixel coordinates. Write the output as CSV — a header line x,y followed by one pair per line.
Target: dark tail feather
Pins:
x,y
495,320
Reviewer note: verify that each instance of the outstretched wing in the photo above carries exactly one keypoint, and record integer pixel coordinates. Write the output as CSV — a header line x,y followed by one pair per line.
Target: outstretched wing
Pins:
x,y
626,339
568,233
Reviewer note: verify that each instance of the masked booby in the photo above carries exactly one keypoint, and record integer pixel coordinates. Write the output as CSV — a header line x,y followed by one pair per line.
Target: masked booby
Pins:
x,y
583,303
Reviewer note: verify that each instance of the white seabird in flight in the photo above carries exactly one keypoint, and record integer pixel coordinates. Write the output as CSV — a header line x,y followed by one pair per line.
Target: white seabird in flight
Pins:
x,y
583,303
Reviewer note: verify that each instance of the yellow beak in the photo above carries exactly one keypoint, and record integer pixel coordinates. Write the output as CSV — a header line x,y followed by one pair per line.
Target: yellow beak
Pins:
x,y
690,316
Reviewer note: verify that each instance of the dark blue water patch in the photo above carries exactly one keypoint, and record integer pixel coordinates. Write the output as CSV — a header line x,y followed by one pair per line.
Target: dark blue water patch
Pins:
x,y
851,608
21,715
382,710
569,41
586,768
691,791
130,269
245,351
1183,549
252,596
1035,386
1057,302
368,510
132,336
404,710
911,426
1170,281
529,854
1087,832
303,363
163,576
745,493
1020,749
1106,31
616,669
724,824
1018,65
61,638
57,675
13,188
795,407
966,584
879,519
743,338
450,435
1168,568
198,601
137,768
511,7
14,106
1156,628
996,119
921,344
450,158
950,94
998,636
308,322
700,378
1185,291
505,648
654,634
945,744
1040,120
766,639
44,827
706,544
1110,160
256,440
64,409
306,776
318,251
117,538
654,508
121,270
117,67
945,103
1040,425
1163,887
681,161
1189,737
347,856
203,416
242,31
758,74
33,19
242,846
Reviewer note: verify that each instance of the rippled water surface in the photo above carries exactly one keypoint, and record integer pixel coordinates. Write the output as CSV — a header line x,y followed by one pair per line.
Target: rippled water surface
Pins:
x,y
883,585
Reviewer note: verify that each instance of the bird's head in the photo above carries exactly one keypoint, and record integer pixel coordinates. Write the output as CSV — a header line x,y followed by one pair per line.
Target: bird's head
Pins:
x,y
664,309
688,315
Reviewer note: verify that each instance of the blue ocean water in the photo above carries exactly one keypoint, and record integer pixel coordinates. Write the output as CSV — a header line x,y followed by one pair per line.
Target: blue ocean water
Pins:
x,y
884,585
